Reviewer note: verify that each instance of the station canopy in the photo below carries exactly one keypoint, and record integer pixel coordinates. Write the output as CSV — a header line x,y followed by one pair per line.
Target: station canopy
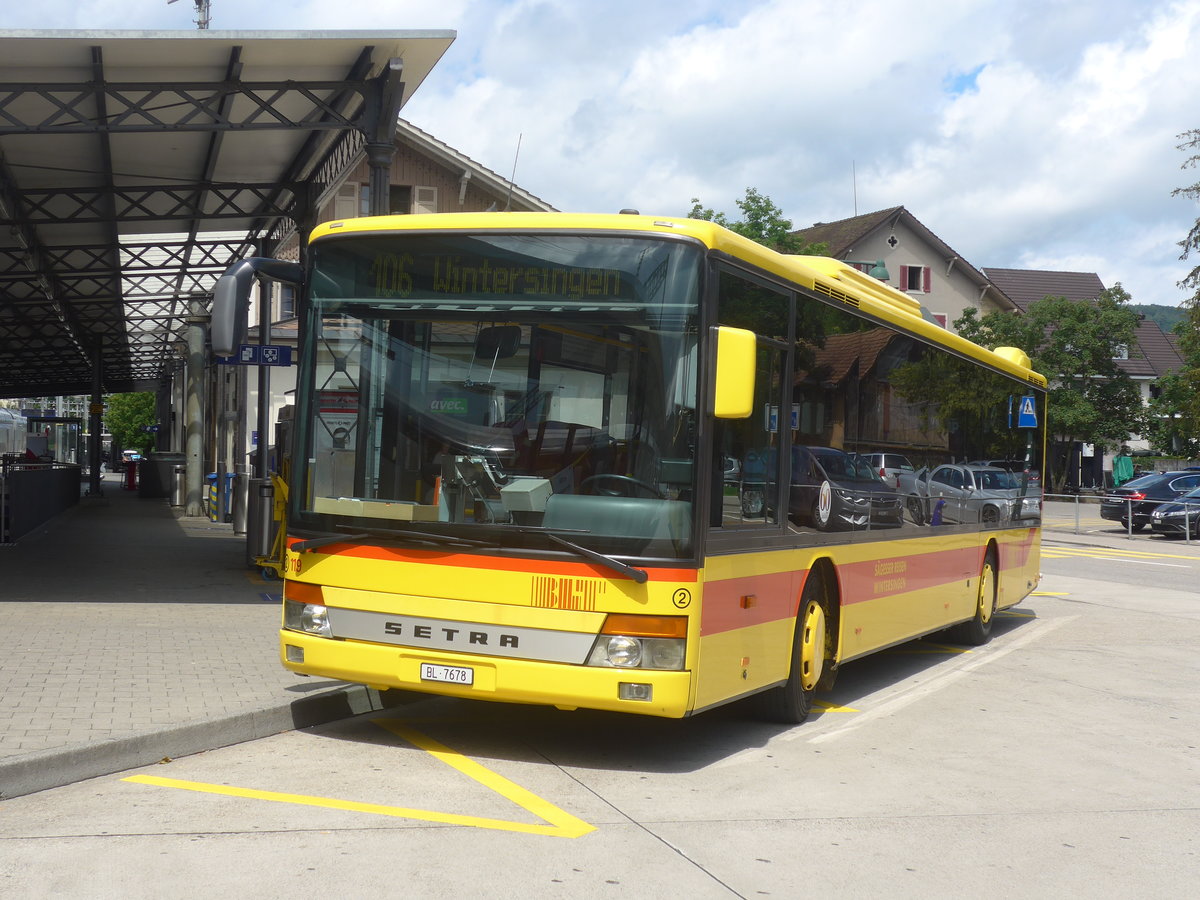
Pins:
x,y
135,166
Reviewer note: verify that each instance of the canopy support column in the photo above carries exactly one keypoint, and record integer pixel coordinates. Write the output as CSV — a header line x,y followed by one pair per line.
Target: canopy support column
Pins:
x,y
95,423
384,99
196,328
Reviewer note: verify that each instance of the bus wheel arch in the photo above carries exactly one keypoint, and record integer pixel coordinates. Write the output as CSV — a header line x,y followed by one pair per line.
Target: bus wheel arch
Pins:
x,y
977,630
814,646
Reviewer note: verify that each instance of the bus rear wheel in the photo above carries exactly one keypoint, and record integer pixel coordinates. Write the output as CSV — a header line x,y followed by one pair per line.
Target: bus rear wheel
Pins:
x,y
791,702
978,630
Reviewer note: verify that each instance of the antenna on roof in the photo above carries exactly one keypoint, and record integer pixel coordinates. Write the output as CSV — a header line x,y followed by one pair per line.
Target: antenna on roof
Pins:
x,y
854,186
203,12
508,199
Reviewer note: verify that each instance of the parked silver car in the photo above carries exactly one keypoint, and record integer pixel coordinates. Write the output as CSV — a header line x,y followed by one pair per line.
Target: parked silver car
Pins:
x,y
968,494
890,467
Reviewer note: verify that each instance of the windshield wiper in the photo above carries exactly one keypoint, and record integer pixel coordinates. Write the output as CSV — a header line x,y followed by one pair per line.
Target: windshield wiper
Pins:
x,y
422,536
313,543
387,534
638,575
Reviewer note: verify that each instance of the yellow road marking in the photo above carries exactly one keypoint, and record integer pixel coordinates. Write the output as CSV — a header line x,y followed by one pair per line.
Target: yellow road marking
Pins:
x,y
561,823
1105,552
564,822
822,706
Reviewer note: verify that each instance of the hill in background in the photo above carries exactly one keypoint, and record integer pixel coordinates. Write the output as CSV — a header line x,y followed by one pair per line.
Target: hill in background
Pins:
x,y
1166,317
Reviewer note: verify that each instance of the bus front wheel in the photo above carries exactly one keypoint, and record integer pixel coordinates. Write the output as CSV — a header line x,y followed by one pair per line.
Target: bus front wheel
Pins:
x,y
791,702
978,630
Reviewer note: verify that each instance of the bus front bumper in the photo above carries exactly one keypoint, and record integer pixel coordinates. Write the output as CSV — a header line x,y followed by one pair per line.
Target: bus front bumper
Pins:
x,y
493,678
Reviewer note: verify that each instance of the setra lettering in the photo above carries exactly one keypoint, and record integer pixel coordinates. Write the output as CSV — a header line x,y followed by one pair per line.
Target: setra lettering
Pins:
x,y
451,636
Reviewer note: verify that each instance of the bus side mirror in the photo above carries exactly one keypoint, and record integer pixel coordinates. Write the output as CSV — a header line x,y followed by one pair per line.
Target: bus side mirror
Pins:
x,y
734,394
231,298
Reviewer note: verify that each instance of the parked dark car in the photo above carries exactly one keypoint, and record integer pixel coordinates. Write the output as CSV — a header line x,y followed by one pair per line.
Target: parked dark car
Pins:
x,y
833,490
1179,518
1144,495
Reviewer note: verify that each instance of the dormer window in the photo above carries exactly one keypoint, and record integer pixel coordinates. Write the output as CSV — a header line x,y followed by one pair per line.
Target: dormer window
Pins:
x,y
916,279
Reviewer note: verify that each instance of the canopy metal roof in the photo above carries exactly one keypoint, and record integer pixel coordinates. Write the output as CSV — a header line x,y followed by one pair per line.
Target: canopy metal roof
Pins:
x,y
135,166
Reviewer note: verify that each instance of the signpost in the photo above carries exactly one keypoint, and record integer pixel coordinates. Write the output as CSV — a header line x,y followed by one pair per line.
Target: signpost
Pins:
x,y
258,355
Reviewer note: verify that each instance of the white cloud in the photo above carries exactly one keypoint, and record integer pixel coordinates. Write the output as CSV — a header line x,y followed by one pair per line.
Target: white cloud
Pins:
x,y
1023,133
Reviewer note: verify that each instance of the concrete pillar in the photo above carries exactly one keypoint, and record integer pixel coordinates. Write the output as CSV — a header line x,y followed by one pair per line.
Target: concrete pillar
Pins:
x,y
196,332
95,423
262,465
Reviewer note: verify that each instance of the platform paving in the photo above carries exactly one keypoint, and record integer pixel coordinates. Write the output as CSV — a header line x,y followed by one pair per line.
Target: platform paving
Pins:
x,y
131,633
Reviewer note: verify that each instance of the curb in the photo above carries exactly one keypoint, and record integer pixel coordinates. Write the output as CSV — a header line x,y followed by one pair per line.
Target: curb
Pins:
x,y
45,769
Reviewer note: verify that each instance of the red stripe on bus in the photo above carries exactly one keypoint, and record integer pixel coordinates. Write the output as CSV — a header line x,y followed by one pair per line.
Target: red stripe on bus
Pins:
x,y
776,596
876,578
734,603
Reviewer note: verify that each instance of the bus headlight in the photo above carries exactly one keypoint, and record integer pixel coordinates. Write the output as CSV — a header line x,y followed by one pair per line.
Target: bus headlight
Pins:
x,y
641,642
310,618
664,654
622,651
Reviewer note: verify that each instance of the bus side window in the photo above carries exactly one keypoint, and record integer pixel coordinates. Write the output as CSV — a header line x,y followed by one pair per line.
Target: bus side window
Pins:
x,y
745,452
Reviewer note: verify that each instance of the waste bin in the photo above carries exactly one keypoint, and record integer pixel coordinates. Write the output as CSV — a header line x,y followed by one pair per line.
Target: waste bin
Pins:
x,y
260,522
155,474
179,485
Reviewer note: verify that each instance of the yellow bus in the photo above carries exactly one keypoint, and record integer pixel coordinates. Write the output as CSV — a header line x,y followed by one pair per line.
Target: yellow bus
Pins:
x,y
628,463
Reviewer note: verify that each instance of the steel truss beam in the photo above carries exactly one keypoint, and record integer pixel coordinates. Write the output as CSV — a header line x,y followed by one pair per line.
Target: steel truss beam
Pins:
x,y
165,202
135,107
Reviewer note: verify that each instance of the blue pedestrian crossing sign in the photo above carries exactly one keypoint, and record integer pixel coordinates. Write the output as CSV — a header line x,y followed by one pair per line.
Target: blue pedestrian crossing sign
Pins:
x,y
1027,413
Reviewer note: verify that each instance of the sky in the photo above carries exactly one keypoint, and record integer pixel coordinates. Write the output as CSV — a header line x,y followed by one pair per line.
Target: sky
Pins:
x,y
1035,135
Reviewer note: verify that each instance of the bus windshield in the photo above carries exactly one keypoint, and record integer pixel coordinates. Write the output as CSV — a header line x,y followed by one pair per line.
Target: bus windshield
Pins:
x,y
460,386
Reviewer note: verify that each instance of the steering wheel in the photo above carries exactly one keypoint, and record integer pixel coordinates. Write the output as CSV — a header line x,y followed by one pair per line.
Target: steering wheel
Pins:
x,y
623,489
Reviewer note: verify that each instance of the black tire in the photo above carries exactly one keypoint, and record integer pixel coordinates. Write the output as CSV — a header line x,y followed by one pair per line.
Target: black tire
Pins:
x,y
916,510
977,631
791,702
990,515
1137,526
823,520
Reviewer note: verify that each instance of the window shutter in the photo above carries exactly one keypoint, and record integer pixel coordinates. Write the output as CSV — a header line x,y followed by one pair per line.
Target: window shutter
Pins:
x,y
903,282
424,200
345,203
942,319
927,279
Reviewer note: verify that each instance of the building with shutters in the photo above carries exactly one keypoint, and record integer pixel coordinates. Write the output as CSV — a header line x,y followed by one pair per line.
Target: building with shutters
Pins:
x,y
897,247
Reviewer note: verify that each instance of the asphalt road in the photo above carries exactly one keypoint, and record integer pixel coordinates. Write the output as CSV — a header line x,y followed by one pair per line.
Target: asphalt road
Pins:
x,y
1063,759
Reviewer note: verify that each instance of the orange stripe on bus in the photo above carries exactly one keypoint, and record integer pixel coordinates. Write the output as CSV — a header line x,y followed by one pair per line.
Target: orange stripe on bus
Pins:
x,y
504,564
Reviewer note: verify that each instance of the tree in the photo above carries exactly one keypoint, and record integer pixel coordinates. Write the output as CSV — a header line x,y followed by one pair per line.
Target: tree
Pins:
x,y
1178,409
1076,346
762,221
126,417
